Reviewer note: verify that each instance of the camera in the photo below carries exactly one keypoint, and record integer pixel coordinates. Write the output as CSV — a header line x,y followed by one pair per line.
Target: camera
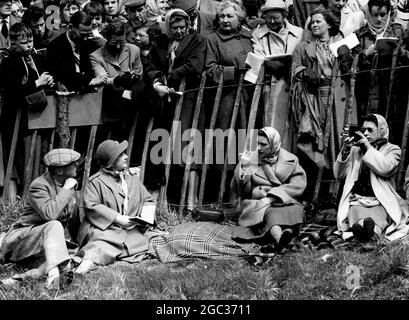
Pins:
x,y
353,129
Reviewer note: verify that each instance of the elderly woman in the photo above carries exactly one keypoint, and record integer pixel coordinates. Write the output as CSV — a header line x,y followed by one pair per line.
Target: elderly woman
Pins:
x,y
372,88
112,197
314,69
270,182
157,9
178,54
369,203
227,50
277,37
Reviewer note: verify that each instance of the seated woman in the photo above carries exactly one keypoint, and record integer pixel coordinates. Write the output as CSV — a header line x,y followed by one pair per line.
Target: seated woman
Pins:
x,y
369,204
269,182
112,196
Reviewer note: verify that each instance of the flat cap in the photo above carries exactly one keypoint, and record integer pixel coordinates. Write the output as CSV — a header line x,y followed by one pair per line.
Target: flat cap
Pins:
x,y
60,157
133,3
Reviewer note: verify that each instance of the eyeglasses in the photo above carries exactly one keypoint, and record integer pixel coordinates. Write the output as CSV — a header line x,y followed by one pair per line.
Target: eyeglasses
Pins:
x,y
269,18
370,130
121,43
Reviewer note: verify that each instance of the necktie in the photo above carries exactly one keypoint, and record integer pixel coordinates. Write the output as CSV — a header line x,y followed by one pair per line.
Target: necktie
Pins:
x,y
4,29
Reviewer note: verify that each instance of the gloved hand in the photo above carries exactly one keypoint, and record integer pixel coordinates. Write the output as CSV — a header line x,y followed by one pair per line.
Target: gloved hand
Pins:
x,y
277,67
344,54
124,80
311,78
161,90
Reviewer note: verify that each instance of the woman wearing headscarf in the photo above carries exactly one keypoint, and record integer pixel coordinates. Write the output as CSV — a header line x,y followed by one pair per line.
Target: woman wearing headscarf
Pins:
x,y
372,87
369,203
178,54
270,182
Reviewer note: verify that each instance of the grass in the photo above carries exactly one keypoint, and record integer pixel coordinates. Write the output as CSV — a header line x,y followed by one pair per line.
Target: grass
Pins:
x,y
305,274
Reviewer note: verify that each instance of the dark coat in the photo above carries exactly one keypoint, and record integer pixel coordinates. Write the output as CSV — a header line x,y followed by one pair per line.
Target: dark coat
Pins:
x,y
61,63
372,88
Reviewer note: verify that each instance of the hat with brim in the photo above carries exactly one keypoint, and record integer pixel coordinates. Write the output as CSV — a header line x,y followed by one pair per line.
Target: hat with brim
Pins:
x,y
274,5
108,151
60,157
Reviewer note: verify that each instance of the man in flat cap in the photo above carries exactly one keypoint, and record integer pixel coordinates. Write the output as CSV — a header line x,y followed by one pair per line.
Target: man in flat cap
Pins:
x,y
37,240
113,198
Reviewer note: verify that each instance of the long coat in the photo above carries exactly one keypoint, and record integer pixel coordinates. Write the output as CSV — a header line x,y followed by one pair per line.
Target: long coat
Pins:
x,y
383,165
226,53
103,202
44,204
372,88
287,185
264,44
305,56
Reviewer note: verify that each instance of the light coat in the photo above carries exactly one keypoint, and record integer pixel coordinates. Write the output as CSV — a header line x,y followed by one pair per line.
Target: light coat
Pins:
x,y
287,185
383,165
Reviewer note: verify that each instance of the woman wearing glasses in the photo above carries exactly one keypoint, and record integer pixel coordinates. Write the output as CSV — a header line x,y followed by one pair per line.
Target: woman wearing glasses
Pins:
x,y
370,206
277,37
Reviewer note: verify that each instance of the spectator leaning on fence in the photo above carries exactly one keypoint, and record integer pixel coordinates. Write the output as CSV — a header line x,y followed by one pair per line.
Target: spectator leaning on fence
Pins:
x,y
369,204
270,182
21,75
38,235
277,37
372,88
121,61
68,56
178,54
113,195
34,17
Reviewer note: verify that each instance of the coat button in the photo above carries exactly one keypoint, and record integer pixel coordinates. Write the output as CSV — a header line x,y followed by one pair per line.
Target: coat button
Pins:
x,y
342,99
342,85
243,52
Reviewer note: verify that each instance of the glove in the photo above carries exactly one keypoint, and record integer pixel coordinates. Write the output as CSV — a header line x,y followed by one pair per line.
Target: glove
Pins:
x,y
344,54
124,80
277,68
161,90
311,78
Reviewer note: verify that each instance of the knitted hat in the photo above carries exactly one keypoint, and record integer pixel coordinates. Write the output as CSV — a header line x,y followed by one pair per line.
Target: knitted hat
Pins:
x,y
274,5
60,157
108,151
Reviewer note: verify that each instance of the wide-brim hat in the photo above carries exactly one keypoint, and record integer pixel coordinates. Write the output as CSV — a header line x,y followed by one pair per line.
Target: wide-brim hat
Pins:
x,y
274,5
108,151
60,157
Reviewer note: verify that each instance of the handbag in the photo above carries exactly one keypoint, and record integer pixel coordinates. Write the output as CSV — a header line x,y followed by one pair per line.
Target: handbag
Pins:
x,y
36,101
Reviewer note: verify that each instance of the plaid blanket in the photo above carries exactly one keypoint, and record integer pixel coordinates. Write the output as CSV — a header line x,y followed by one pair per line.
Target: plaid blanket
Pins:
x,y
201,240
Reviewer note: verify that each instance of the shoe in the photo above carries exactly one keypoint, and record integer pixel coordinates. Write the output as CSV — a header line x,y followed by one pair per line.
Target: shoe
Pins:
x,y
285,239
358,231
85,266
53,282
369,227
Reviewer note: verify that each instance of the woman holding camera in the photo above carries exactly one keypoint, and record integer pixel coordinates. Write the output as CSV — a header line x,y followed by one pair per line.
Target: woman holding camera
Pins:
x,y
370,205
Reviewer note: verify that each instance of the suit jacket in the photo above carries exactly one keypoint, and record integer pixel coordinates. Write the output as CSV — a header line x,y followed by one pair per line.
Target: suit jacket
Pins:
x,y
61,63
129,60
5,42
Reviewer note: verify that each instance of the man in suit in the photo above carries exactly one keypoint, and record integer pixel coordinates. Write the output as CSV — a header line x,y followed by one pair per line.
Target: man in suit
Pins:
x,y
39,232
68,56
6,21
122,63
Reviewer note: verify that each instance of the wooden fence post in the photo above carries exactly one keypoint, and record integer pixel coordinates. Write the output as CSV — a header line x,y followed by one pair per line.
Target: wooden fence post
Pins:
x,y
191,144
131,136
145,150
28,173
209,143
230,138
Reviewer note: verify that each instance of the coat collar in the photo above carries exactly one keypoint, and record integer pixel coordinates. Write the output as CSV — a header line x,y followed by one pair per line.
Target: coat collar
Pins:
x,y
242,33
110,182
123,56
391,30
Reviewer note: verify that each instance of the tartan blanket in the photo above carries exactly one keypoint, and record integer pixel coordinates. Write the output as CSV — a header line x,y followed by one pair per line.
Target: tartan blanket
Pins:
x,y
201,240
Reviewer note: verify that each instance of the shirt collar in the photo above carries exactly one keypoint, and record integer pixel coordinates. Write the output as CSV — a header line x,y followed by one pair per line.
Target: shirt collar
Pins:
x,y
73,45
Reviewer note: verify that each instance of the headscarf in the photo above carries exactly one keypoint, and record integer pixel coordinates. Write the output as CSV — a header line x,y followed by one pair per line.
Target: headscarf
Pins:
x,y
383,127
377,31
274,140
152,7
169,15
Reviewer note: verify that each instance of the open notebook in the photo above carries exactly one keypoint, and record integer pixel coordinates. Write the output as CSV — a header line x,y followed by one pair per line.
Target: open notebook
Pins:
x,y
147,215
